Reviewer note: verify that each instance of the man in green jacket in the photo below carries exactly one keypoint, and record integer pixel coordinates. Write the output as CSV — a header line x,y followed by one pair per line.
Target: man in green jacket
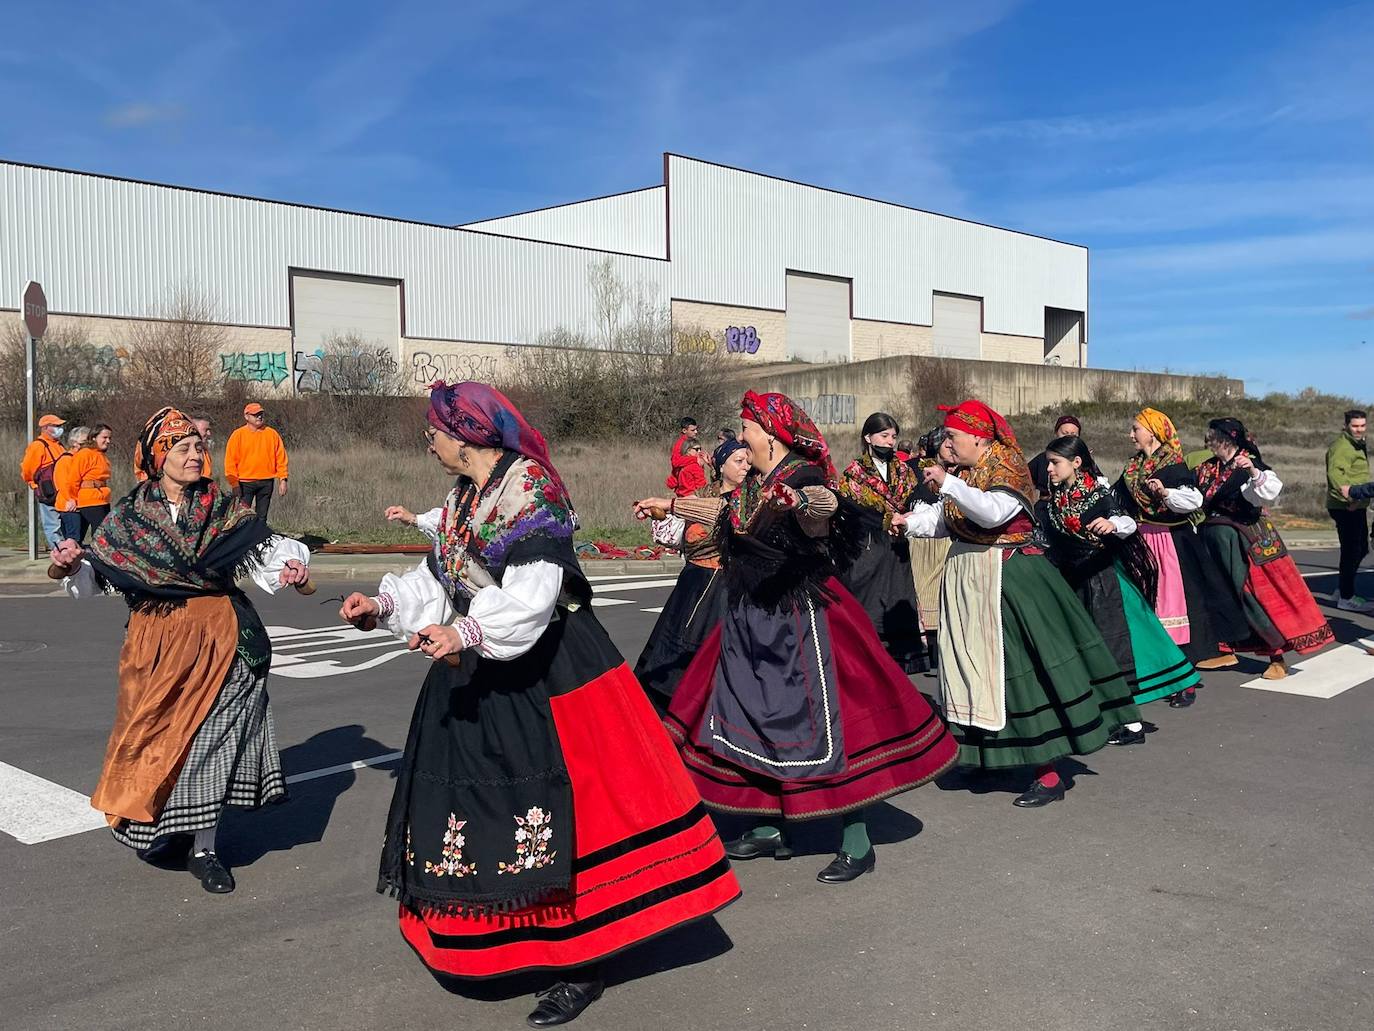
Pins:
x,y
1347,464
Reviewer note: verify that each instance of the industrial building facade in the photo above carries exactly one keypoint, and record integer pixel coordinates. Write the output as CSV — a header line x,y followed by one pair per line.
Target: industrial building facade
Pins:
x,y
752,268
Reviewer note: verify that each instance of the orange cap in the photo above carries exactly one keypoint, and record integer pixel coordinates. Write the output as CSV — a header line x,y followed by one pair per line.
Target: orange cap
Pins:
x,y
252,408
51,420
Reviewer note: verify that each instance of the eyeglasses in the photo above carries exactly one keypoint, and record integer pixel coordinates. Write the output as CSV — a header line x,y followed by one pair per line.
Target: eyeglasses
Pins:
x,y
429,435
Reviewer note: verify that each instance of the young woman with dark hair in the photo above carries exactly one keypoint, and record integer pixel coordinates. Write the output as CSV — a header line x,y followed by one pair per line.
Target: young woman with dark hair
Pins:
x,y
1236,486
880,487
1094,544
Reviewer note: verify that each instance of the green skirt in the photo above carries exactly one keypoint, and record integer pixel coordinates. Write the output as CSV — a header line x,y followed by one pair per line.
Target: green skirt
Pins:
x,y
1065,693
1161,668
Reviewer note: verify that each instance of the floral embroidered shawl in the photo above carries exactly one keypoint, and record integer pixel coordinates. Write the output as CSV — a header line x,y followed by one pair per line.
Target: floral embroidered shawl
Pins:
x,y
140,550
1070,503
1002,467
862,484
1142,467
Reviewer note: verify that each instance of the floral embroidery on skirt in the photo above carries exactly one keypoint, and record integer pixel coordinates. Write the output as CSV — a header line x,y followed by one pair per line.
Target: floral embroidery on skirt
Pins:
x,y
532,835
451,859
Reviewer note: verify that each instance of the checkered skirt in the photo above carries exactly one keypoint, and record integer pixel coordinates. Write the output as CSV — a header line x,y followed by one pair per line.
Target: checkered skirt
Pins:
x,y
233,761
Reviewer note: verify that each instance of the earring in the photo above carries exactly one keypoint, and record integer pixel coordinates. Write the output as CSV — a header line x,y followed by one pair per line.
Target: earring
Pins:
x,y
770,450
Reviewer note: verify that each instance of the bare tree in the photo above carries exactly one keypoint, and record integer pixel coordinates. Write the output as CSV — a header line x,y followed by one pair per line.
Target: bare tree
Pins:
x,y
179,353
608,298
356,366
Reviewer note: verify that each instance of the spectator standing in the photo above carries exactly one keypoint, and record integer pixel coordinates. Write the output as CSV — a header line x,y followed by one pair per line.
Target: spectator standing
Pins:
x,y
83,483
1347,464
37,467
255,457
686,464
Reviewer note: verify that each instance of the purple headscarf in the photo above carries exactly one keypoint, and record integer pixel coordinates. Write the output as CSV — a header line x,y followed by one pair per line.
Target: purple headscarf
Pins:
x,y
482,416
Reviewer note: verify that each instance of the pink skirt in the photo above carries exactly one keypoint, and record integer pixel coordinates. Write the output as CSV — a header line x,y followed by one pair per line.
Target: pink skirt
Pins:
x,y
1171,603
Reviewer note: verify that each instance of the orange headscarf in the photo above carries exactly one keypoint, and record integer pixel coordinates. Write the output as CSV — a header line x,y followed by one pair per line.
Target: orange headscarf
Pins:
x,y
160,435
1161,426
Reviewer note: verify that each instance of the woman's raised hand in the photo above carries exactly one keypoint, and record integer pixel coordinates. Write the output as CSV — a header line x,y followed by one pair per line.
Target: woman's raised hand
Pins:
x,y
652,508
361,611
67,556
399,514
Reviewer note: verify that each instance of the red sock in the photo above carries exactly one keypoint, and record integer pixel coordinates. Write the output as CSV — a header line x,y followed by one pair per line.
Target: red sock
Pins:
x,y
1047,776
1225,649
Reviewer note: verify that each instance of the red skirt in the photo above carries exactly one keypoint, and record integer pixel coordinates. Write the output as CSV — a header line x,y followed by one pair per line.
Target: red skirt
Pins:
x,y
647,857
893,739
1283,594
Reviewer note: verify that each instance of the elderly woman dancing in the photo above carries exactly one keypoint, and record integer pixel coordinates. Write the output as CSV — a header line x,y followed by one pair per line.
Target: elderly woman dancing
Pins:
x,y
1025,676
1236,485
193,732
792,709
541,819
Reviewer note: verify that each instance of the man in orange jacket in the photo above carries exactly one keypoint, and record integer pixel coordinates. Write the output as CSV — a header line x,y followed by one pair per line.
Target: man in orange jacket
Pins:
x,y
253,458
37,465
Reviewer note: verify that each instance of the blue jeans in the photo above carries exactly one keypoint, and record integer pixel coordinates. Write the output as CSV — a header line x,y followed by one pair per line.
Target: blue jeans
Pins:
x,y
52,524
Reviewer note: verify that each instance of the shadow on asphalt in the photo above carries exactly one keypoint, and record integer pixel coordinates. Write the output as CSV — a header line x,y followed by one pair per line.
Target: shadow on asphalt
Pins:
x,y
1012,782
687,946
245,837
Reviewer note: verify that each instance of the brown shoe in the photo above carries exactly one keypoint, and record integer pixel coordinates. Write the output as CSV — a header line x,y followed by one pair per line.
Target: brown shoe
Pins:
x,y
1276,671
1219,662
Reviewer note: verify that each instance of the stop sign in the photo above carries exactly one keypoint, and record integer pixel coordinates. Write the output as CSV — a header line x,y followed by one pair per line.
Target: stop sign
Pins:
x,y
35,308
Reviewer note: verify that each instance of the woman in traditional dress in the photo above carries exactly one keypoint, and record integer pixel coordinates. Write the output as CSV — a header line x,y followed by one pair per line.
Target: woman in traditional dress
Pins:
x,y
698,599
928,554
1024,674
1193,599
193,731
1236,486
880,577
1095,545
541,819
792,709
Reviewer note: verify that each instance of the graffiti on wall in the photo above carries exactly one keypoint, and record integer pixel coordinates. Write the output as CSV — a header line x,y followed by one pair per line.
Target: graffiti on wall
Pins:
x,y
358,372
255,367
742,340
829,409
83,366
697,343
428,366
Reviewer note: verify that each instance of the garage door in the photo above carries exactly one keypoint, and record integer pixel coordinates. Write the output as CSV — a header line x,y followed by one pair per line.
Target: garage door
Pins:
x,y
326,305
958,326
817,318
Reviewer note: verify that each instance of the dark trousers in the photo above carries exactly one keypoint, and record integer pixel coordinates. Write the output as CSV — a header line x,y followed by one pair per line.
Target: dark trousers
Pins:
x,y
75,524
1352,530
258,493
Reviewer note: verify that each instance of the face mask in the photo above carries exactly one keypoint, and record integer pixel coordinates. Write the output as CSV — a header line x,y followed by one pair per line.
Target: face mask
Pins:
x,y
57,432
882,454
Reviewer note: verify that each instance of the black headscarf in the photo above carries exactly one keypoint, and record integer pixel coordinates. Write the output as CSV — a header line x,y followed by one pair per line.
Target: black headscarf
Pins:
x,y
1233,430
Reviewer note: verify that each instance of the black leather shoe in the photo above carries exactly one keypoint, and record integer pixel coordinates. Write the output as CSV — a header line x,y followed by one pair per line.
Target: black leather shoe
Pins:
x,y
844,867
171,850
1037,795
750,847
1181,700
564,1002
211,873
1122,736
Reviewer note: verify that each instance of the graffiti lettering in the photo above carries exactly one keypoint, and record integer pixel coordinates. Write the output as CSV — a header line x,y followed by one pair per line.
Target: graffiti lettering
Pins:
x,y
697,343
255,367
82,366
359,372
829,409
742,341
426,367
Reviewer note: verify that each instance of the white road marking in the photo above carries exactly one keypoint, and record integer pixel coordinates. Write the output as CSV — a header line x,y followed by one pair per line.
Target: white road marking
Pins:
x,y
658,608
34,810
361,764
1326,674
601,603
642,585
308,654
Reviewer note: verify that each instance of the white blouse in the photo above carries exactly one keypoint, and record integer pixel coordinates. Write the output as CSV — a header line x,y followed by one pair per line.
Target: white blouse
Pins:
x,y
1182,499
503,622
1263,489
428,522
280,550
988,509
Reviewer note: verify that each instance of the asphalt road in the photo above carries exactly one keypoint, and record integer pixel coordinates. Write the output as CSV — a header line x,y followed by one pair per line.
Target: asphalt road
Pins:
x,y
1217,877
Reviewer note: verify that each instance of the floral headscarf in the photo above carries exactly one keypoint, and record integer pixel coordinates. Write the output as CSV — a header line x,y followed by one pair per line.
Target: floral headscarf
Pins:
x,y
781,417
483,416
980,420
163,431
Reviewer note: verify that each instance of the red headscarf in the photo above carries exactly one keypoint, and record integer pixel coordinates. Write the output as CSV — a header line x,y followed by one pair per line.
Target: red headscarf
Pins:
x,y
483,416
779,416
980,420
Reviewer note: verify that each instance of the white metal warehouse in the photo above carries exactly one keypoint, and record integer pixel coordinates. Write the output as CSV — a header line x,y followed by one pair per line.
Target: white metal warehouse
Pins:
x,y
767,269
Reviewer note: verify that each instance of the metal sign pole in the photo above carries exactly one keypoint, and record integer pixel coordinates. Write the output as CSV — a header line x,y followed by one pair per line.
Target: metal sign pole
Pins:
x,y
30,390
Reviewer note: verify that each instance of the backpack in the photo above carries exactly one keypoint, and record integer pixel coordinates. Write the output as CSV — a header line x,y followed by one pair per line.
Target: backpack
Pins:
x,y
45,489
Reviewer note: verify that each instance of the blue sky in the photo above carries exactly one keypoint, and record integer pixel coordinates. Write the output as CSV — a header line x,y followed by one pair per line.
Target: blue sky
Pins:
x,y
1216,157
